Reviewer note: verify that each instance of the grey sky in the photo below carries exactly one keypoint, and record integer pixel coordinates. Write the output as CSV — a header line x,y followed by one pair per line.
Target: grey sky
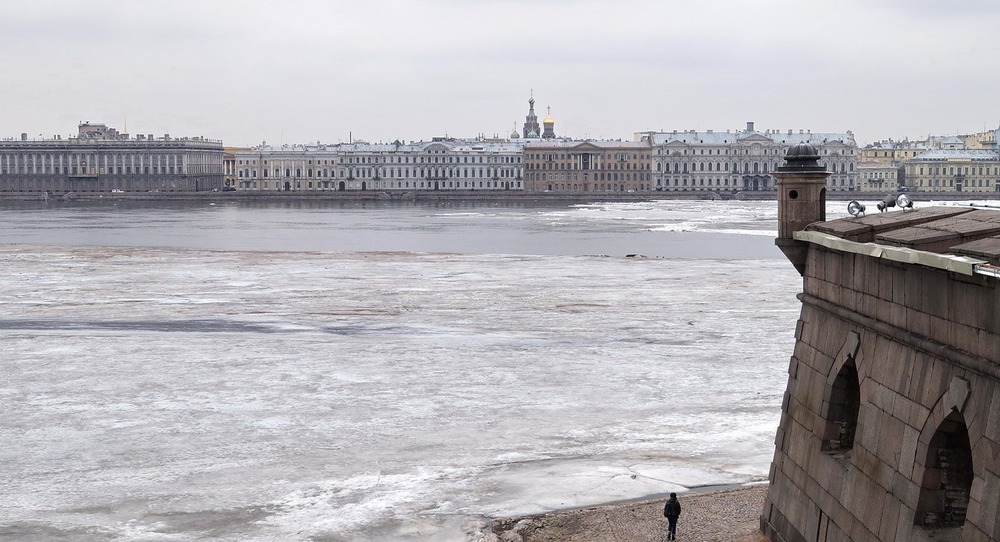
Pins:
x,y
300,71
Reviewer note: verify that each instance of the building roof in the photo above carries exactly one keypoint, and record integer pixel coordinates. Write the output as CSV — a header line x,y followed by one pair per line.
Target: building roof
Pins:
x,y
875,165
944,155
453,145
710,137
572,143
891,145
964,232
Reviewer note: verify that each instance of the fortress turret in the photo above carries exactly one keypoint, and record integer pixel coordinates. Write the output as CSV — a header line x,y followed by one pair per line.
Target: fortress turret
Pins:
x,y
801,199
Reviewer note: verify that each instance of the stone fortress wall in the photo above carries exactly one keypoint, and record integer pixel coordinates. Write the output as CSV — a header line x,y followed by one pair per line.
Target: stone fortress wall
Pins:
x,y
890,424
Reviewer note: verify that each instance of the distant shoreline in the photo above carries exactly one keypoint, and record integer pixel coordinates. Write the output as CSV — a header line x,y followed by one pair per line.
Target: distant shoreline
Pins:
x,y
467,196
728,514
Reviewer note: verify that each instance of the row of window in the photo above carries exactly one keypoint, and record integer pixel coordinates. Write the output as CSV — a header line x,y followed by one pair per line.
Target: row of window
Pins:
x,y
513,159
755,167
334,185
597,176
586,166
117,170
729,182
598,187
980,170
390,172
59,162
725,151
567,156
980,183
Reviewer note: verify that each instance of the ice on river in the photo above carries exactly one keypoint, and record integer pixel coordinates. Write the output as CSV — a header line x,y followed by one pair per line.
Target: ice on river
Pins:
x,y
177,394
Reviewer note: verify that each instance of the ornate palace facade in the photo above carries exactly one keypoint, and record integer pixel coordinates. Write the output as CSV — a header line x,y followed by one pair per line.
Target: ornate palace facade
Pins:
x,y
744,159
99,159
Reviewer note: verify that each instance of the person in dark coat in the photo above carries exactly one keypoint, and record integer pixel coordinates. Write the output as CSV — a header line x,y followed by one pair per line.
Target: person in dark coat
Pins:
x,y
671,511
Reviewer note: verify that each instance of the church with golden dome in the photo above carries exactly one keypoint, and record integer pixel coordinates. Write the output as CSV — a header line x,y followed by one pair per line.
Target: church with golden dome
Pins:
x,y
531,128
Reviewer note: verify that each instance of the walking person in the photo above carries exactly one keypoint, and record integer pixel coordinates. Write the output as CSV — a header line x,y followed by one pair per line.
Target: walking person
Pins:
x,y
671,511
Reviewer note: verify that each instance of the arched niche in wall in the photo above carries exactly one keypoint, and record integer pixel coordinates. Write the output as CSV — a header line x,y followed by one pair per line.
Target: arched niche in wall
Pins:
x,y
843,400
948,474
842,410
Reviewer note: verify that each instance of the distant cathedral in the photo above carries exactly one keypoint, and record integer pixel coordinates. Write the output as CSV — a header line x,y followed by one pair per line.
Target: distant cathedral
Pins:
x,y
531,128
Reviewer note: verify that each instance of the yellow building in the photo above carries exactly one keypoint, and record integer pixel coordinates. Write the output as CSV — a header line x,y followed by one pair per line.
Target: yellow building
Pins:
x,y
893,152
878,177
954,171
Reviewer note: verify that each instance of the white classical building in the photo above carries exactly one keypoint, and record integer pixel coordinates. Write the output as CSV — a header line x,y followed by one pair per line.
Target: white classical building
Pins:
x,y
100,159
440,164
743,159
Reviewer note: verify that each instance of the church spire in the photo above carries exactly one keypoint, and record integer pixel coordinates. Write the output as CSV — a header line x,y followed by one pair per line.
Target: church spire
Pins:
x,y
531,128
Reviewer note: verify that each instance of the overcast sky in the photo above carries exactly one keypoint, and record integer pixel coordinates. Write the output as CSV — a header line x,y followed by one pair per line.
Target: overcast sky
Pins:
x,y
303,71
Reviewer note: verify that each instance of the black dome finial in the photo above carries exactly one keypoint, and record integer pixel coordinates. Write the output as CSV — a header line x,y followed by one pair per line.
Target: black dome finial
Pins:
x,y
802,154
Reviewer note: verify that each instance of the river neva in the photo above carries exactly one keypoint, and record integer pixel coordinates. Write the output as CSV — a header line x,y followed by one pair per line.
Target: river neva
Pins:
x,y
379,372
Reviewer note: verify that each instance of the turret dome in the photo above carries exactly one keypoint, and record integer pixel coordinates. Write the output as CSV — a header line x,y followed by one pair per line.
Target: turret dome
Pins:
x,y
801,153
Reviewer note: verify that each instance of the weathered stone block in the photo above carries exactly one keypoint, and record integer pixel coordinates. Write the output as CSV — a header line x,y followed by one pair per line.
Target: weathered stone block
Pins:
x,y
935,298
913,295
989,514
869,425
885,474
908,450
890,518
897,315
898,286
859,533
874,502
918,322
993,419
881,397
905,490
904,367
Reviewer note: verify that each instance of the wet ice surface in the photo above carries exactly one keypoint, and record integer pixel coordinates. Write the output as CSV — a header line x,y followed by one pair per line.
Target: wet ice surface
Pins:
x,y
244,393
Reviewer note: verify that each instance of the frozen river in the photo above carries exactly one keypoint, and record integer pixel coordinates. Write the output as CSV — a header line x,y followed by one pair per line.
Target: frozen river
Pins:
x,y
378,372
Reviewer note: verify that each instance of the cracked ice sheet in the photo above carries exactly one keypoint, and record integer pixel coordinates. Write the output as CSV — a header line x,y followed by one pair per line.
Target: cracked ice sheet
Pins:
x,y
187,395
192,395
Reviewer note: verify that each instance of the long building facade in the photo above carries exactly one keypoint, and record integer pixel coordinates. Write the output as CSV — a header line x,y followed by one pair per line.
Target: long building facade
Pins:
x,y
971,170
441,164
743,159
100,159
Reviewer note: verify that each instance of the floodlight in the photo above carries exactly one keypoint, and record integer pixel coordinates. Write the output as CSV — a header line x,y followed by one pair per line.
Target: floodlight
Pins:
x,y
887,201
855,209
904,202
